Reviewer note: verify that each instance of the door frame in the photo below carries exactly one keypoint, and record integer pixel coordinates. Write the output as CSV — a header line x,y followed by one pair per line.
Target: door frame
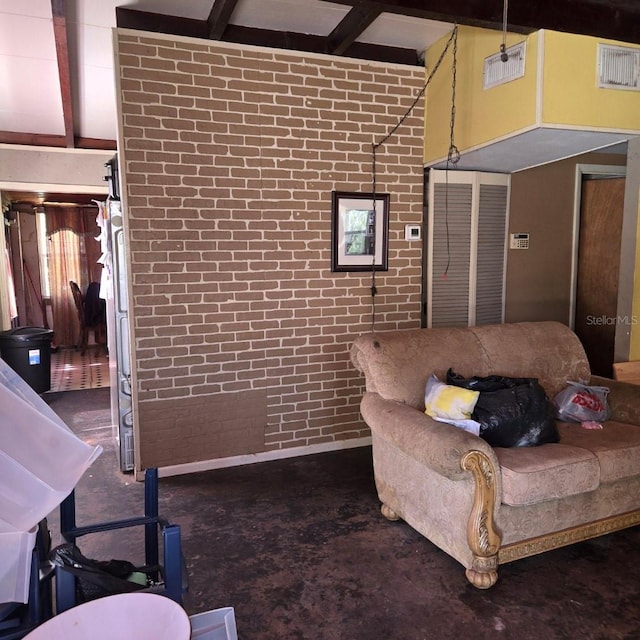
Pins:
x,y
35,187
627,258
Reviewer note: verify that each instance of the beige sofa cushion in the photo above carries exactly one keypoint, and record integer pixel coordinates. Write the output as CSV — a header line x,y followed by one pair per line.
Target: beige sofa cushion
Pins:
x,y
547,351
547,472
397,364
616,446
579,462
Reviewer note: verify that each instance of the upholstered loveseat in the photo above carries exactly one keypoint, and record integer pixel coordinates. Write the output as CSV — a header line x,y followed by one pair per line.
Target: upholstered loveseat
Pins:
x,y
487,506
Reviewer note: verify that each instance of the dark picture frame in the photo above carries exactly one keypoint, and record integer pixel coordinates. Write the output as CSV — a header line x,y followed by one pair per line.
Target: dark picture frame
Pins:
x,y
359,231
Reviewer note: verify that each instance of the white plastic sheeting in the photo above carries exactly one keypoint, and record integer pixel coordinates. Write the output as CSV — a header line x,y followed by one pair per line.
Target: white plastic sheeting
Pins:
x,y
41,461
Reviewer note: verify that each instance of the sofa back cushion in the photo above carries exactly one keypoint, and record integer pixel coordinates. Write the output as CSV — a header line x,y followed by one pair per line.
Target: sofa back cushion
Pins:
x,y
397,364
549,351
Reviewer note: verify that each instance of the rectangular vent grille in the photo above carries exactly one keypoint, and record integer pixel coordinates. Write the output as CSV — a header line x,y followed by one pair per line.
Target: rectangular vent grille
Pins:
x,y
618,67
490,259
451,254
497,72
126,451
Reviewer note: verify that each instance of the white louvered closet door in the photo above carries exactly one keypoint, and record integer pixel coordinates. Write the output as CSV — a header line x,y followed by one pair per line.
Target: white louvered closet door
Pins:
x,y
466,248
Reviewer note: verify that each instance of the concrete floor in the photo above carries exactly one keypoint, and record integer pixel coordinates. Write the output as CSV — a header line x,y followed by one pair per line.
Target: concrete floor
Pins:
x,y
298,547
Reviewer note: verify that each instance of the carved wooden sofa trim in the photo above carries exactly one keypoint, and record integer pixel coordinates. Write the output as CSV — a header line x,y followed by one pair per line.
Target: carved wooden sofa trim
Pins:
x,y
484,540
566,537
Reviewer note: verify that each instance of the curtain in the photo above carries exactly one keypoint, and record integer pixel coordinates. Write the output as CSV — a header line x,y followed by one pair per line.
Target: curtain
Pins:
x,y
12,307
72,255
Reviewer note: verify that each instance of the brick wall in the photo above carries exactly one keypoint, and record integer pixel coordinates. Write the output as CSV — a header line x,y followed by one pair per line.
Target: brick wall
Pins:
x,y
229,156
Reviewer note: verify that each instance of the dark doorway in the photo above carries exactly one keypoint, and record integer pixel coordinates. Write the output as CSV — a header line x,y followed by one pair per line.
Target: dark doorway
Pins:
x,y
600,234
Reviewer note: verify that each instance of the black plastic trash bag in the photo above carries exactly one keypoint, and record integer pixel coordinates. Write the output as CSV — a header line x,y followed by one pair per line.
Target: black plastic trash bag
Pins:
x,y
512,412
95,578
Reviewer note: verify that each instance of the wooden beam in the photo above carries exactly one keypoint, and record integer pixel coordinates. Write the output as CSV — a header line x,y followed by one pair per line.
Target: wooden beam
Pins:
x,y
615,19
159,23
99,144
318,44
351,26
47,140
612,19
219,17
64,69
392,55
35,139
277,39
477,13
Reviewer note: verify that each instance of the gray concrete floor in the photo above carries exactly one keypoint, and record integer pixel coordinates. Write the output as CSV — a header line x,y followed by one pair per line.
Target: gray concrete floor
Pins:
x,y
298,547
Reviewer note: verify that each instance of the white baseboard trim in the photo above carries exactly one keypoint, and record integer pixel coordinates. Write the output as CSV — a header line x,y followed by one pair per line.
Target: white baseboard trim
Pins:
x,y
265,456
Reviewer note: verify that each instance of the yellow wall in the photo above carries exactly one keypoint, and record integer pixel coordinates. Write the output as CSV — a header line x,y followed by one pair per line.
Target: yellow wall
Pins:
x,y
559,90
566,90
571,95
481,115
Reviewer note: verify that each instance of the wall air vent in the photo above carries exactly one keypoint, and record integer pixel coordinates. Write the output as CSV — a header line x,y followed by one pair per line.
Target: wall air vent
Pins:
x,y
498,72
618,67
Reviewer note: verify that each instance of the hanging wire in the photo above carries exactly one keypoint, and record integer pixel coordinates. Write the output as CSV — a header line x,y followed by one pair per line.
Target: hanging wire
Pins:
x,y
452,39
374,290
453,155
504,56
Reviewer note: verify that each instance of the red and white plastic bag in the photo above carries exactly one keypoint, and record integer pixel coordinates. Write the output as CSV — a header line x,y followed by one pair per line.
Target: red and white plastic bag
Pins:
x,y
582,403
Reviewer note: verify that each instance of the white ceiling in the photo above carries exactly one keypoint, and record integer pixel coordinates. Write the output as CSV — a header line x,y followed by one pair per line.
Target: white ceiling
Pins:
x,y
30,97
30,93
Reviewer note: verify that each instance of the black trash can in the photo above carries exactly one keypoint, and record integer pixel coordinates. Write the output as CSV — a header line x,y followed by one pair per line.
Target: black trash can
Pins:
x,y
27,350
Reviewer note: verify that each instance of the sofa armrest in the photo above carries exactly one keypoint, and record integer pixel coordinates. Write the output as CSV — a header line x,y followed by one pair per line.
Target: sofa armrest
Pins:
x,y
623,399
438,445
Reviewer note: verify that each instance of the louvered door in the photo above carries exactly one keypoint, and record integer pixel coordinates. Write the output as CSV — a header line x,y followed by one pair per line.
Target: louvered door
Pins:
x,y
467,224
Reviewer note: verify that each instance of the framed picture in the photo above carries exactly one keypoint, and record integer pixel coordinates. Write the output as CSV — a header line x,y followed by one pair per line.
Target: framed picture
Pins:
x,y
359,231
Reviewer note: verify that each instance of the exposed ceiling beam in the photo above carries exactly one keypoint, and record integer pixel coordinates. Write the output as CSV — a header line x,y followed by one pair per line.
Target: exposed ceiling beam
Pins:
x,y
318,44
593,18
99,144
219,17
47,140
64,69
352,26
35,139
475,13
617,20
157,23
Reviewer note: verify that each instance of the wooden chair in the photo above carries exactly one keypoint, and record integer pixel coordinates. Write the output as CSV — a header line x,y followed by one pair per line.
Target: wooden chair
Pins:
x,y
87,321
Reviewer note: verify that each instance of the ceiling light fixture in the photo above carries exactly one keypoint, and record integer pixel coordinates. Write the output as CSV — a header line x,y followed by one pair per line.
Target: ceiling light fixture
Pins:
x,y
504,56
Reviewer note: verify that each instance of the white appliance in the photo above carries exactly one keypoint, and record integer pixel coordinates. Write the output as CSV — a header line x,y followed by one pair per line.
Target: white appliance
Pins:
x,y
117,323
118,339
